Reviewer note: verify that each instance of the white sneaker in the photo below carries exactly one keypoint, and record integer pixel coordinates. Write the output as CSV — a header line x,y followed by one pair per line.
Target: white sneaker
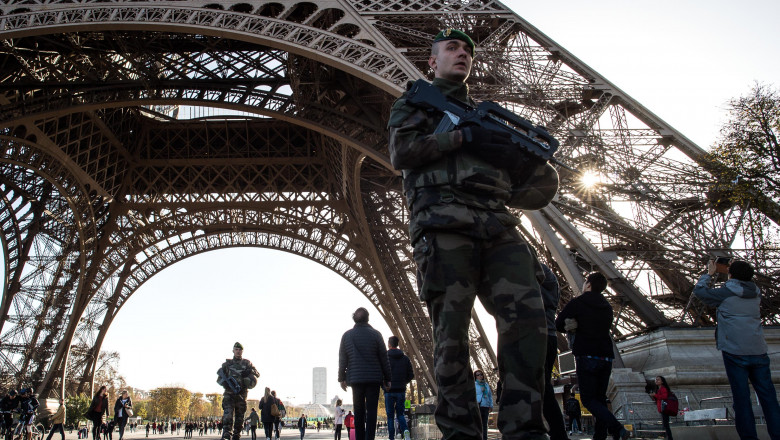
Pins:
x,y
407,435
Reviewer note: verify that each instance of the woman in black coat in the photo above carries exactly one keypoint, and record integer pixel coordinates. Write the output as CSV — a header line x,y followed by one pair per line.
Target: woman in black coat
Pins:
x,y
97,408
121,407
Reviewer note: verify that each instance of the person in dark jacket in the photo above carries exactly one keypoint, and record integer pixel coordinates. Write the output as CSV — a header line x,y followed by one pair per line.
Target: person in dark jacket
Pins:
x,y
121,407
740,338
401,373
574,412
590,316
363,365
552,412
302,425
97,408
28,407
265,413
7,405
282,413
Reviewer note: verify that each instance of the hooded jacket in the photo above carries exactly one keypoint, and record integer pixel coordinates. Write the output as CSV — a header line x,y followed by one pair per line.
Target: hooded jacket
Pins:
x,y
401,372
594,322
739,329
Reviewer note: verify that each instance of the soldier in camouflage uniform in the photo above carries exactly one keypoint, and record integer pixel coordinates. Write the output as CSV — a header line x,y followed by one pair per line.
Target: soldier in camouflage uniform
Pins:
x,y
458,185
234,403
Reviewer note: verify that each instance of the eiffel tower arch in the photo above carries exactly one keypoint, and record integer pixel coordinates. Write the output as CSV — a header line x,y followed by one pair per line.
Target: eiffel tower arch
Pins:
x,y
138,133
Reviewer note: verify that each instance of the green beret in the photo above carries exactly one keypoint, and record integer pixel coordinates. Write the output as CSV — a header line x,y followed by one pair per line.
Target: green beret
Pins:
x,y
238,345
454,34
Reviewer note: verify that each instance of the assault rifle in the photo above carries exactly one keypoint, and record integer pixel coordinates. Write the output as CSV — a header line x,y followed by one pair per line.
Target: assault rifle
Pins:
x,y
228,381
533,139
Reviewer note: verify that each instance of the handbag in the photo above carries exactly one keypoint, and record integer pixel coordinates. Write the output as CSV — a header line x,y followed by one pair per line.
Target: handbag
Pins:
x,y
129,411
670,405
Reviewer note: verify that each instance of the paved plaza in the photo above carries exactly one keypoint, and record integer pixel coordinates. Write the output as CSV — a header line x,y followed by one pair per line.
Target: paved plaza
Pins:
x,y
286,433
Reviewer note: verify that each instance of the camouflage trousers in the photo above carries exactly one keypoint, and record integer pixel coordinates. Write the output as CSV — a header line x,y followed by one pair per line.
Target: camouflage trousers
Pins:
x,y
234,407
453,269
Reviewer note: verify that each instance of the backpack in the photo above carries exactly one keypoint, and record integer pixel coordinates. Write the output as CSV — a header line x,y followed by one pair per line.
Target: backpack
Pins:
x,y
275,410
670,405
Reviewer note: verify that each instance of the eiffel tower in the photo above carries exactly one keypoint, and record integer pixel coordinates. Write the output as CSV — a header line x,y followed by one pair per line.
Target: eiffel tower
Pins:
x,y
137,133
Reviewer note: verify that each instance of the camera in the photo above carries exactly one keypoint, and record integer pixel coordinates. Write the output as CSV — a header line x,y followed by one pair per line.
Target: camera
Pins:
x,y
722,264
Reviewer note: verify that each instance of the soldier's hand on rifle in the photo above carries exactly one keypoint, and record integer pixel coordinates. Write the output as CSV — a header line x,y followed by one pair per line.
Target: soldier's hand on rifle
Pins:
x,y
494,147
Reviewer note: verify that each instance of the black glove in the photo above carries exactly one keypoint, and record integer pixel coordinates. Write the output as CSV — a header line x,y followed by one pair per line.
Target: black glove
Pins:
x,y
494,147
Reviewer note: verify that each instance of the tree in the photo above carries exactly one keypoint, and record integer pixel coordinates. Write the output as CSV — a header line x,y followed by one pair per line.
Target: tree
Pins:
x,y
749,151
198,407
170,402
75,408
107,373
141,409
215,404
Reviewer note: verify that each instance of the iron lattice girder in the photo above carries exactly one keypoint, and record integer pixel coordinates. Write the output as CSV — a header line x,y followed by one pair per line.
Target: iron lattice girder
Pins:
x,y
36,303
351,55
342,62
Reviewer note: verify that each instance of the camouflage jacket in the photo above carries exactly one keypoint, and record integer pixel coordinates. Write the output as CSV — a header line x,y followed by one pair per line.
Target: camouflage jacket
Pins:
x,y
243,371
446,188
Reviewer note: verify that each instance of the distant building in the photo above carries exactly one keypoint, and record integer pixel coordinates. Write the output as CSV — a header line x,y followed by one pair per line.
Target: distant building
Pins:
x,y
320,385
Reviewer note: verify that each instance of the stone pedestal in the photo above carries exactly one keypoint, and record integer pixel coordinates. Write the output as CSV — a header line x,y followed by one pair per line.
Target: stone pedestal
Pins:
x,y
689,361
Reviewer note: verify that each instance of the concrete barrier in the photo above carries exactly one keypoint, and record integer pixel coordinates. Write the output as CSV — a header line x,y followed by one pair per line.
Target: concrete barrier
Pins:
x,y
700,415
713,432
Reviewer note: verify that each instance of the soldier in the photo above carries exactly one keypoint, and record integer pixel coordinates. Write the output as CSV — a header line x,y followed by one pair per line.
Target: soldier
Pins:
x,y
458,185
237,376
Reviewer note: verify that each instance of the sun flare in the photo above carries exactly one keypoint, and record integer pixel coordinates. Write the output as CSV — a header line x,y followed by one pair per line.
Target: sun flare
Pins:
x,y
590,179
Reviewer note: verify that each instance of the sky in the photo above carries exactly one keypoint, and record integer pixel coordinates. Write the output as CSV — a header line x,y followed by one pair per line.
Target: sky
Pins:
x,y
683,60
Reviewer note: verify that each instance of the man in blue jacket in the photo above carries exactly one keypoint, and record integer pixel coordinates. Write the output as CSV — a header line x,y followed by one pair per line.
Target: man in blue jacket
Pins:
x,y
401,373
590,315
740,338
363,366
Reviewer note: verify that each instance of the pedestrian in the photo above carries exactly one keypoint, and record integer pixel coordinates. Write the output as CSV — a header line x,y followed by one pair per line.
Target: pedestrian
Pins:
x,y
267,404
97,409
58,420
363,365
147,429
254,420
281,413
237,376
302,425
552,411
338,420
661,394
466,244
484,399
123,408
349,423
28,408
590,315
8,403
740,338
574,412
401,373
